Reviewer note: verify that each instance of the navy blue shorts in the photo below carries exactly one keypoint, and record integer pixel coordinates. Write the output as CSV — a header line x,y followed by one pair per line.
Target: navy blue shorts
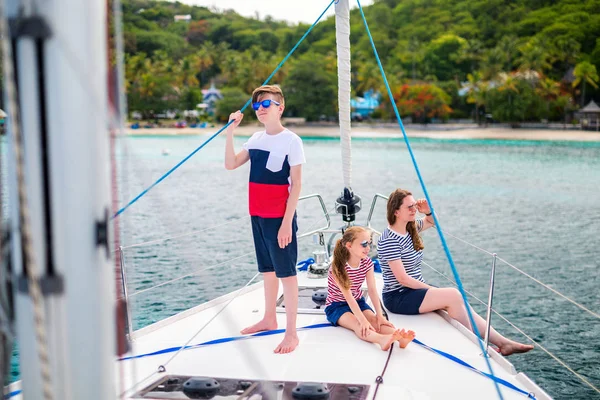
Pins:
x,y
269,256
338,308
407,302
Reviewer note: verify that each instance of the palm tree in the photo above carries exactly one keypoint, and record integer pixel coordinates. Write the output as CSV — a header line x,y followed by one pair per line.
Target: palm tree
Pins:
x,y
533,57
585,72
477,90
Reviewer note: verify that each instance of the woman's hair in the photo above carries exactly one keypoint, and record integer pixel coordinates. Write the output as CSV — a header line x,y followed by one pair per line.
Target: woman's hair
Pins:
x,y
268,89
394,203
341,254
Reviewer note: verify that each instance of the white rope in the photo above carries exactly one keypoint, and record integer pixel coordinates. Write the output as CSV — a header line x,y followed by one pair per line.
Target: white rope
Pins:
x,y
583,379
342,37
582,307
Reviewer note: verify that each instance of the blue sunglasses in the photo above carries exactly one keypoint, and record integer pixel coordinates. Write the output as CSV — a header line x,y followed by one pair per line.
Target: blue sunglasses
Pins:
x,y
264,103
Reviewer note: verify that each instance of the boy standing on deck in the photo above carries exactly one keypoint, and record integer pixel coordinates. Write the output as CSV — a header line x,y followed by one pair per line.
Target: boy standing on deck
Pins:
x,y
276,156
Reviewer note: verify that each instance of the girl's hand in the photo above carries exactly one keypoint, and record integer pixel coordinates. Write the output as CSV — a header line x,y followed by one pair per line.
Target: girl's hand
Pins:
x,y
237,117
381,321
365,328
423,206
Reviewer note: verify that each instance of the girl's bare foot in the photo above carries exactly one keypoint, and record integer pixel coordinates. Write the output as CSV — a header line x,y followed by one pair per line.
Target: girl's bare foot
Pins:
x,y
511,347
403,337
386,342
262,325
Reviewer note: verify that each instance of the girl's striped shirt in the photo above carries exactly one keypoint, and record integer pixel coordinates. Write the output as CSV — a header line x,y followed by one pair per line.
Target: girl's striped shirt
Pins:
x,y
395,246
357,277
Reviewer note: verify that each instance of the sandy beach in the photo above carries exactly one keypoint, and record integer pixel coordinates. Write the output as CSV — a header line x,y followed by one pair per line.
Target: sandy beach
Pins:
x,y
433,132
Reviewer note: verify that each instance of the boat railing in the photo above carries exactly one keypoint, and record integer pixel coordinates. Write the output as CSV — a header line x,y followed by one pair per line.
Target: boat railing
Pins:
x,y
121,252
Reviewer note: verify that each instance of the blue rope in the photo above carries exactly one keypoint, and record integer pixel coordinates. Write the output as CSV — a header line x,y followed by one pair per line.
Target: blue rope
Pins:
x,y
12,394
228,123
466,364
437,224
317,326
222,340
303,265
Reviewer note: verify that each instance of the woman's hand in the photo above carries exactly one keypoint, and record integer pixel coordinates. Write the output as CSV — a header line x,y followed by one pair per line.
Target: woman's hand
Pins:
x,y
381,321
423,206
365,328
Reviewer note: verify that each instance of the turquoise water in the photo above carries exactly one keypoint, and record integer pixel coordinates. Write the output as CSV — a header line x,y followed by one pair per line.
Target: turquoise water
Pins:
x,y
533,203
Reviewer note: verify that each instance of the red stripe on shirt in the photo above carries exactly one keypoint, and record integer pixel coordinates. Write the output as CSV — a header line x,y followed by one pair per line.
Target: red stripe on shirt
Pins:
x,y
267,201
355,275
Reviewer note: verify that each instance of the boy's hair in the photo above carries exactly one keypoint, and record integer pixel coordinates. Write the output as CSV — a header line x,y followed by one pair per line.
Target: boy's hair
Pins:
x,y
268,89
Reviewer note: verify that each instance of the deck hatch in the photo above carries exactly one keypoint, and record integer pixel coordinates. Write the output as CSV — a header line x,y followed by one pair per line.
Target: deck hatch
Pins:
x,y
172,387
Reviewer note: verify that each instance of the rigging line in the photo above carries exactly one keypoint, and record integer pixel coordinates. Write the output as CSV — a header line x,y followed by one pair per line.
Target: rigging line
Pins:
x,y
162,368
228,123
184,234
582,307
529,276
190,274
239,291
562,363
550,288
470,244
227,319
432,209
212,266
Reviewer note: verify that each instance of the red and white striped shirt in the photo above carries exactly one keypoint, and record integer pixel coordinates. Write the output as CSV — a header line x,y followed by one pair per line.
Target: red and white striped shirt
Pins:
x,y
357,277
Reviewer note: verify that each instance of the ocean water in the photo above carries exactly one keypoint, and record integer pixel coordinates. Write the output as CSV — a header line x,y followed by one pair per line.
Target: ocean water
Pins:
x,y
535,204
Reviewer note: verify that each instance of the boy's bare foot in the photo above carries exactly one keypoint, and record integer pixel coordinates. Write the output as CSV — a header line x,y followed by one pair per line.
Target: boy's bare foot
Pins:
x,y
288,344
262,325
511,347
387,341
403,337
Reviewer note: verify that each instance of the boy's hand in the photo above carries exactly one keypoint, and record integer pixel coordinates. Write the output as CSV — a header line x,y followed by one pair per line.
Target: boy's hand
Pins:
x,y
237,117
284,236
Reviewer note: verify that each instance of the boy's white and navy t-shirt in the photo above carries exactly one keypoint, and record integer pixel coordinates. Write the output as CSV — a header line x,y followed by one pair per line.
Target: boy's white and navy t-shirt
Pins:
x,y
395,246
357,277
271,157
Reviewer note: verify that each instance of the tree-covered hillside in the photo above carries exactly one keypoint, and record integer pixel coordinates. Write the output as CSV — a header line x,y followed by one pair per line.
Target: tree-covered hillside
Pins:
x,y
519,60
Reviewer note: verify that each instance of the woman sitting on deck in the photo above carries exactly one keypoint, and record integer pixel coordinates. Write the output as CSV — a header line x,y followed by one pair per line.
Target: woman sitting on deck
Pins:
x,y
346,305
405,292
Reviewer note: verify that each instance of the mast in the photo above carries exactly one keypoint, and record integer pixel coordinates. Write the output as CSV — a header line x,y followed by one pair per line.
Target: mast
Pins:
x,y
347,204
60,198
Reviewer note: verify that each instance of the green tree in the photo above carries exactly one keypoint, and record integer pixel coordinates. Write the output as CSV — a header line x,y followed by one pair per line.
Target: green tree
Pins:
x,y
310,89
585,72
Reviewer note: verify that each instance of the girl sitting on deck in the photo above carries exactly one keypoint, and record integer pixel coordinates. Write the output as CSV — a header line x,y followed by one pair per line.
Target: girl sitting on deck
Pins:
x,y
345,304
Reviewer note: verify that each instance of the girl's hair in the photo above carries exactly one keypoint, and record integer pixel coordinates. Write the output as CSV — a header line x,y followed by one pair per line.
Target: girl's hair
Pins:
x,y
393,204
341,255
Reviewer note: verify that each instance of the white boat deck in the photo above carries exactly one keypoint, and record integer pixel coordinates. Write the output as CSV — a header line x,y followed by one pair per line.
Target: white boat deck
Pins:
x,y
327,355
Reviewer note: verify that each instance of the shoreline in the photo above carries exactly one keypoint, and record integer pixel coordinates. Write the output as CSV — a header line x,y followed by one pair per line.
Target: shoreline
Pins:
x,y
308,131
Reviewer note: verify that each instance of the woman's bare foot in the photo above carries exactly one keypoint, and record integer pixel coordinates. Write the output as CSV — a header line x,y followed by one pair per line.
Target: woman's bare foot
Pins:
x,y
262,325
511,347
386,342
288,344
403,337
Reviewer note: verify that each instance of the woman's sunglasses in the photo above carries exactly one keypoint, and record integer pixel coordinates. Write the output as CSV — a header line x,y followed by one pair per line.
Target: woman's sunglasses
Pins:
x,y
366,243
264,103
